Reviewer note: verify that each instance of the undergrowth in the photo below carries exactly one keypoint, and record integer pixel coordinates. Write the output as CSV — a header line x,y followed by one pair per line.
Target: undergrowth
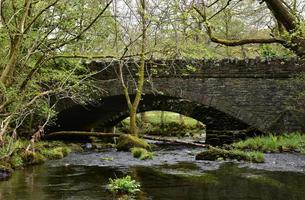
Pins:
x,y
293,142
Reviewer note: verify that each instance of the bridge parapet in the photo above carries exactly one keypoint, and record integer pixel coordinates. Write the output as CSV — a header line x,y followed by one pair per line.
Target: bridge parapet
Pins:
x,y
201,68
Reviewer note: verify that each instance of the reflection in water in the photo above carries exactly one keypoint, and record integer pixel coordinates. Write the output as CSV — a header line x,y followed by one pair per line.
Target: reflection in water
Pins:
x,y
164,182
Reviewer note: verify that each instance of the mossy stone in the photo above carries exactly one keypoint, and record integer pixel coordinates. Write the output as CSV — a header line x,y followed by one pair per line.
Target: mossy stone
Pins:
x,y
213,154
126,142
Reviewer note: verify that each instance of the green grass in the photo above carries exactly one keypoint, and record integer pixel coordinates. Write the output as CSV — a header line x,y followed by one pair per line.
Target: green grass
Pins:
x,y
154,117
125,185
171,126
293,142
141,153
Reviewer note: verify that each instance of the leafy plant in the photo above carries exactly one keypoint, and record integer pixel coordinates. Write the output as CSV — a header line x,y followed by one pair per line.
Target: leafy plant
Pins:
x,y
125,185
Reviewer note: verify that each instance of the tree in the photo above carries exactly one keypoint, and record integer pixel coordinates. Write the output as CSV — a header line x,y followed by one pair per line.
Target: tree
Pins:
x,y
290,27
35,37
133,104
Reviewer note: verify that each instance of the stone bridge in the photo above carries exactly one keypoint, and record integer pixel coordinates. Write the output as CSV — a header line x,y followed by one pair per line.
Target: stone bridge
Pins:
x,y
226,95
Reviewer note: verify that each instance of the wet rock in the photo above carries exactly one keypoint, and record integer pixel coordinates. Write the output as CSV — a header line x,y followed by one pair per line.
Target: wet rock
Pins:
x,y
88,146
5,173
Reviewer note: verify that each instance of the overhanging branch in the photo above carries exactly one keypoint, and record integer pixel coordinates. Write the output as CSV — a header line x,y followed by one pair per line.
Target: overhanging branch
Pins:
x,y
233,43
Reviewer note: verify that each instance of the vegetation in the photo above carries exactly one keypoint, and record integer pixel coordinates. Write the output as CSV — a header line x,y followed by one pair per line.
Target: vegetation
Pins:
x,y
288,31
293,142
166,124
17,154
141,153
45,45
125,185
214,153
252,149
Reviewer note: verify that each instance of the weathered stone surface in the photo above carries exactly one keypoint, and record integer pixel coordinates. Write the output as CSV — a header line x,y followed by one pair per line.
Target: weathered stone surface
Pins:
x,y
224,95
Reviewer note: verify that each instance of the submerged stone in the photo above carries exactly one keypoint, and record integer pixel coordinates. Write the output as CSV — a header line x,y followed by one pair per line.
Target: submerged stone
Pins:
x,y
5,173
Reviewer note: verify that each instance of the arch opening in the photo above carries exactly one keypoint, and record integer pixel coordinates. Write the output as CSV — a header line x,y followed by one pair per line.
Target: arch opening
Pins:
x,y
107,112
166,124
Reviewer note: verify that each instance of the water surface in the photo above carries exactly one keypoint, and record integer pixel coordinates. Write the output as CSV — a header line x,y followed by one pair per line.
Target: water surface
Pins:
x,y
174,176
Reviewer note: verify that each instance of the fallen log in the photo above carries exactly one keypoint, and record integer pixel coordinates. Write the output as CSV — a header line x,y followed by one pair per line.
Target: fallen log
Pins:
x,y
65,134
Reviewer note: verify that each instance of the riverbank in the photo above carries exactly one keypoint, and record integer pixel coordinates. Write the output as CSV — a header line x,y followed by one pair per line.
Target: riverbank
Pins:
x,y
253,149
292,142
290,148
20,153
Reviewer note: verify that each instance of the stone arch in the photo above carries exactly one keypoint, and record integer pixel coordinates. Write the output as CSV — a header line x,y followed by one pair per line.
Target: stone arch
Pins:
x,y
111,110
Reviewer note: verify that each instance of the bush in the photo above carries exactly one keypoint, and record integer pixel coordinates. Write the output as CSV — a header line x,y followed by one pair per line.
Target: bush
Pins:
x,y
124,185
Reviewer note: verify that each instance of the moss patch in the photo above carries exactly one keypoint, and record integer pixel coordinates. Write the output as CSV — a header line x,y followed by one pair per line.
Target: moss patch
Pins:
x,y
14,154
126,142
220,154
55,153
16,161
141,153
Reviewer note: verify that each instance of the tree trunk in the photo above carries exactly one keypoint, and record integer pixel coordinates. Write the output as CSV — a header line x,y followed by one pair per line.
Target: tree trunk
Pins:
x,y
162,119
143,117
133,129
282,14
8,71
133,109
181,120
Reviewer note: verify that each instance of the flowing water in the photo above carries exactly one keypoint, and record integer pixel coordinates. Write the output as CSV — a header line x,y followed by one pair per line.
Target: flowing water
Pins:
x,y
173,174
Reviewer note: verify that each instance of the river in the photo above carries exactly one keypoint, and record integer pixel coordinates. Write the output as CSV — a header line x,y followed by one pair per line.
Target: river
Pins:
x,y
173,174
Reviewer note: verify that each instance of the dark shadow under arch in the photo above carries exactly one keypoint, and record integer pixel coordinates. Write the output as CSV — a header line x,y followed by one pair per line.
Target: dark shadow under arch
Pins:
x,y
111,110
